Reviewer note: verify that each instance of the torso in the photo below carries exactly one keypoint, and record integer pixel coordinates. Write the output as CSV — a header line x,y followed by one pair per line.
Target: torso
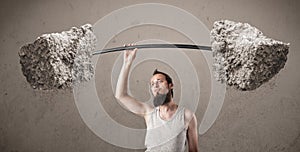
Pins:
x,y
166,132
187,116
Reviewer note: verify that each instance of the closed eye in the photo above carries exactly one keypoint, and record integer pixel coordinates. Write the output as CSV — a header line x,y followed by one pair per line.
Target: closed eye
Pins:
x,y
156,81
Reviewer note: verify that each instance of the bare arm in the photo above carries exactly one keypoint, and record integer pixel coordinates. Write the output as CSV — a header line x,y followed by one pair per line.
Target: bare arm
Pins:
x,y
121,94
192,134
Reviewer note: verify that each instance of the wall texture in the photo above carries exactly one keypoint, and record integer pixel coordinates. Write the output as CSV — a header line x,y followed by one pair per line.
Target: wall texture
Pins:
x,y
266,119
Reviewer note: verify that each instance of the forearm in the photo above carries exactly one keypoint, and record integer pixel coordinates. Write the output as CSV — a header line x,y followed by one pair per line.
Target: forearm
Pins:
x,y
122,84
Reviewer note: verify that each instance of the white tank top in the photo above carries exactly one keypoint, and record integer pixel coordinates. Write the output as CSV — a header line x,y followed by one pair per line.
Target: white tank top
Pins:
x,y
166,135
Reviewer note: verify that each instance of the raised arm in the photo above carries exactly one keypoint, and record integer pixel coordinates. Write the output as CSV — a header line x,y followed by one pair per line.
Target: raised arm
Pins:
x,y
121,94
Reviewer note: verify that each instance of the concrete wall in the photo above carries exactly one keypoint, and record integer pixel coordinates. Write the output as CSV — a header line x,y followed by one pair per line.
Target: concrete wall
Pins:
x,y
266,119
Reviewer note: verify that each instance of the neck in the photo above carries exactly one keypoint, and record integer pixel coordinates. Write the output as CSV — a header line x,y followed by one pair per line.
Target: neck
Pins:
x,y
170,106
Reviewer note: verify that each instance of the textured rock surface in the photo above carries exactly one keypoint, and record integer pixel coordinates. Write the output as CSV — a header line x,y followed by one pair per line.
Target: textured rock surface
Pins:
x,y
58,60
243,56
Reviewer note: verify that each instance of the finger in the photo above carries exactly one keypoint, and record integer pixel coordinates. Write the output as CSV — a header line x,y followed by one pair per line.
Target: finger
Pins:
x,y
126,47
134,50
131,44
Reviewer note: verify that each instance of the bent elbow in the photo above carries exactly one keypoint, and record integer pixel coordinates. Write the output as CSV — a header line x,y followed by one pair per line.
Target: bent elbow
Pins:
x,y
119,96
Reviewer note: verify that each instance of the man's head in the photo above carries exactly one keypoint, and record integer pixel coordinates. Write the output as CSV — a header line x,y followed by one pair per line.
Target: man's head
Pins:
x,y
161,87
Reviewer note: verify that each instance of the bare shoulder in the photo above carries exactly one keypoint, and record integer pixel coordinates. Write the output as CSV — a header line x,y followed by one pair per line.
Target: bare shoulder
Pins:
x,y
188,116
149,110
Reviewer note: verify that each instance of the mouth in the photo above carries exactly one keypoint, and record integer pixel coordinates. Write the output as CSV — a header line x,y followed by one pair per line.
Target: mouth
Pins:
x,y
156,92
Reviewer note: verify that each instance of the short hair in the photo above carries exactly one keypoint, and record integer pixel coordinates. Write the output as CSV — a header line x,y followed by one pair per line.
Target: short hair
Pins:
x,y
168,78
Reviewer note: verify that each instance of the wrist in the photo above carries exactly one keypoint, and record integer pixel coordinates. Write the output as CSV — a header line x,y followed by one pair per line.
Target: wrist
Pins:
x,y
127,64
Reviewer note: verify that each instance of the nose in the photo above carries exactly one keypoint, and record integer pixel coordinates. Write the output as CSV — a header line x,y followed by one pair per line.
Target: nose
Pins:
x,y
155,85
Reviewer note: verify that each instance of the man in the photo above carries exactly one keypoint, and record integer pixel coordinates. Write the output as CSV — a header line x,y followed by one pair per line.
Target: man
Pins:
x,y
168,125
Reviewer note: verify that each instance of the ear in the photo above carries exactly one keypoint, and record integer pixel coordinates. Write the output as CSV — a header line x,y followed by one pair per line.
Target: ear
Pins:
x,y
171,85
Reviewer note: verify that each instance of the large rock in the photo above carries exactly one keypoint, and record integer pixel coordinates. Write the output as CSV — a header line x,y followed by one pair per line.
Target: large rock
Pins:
x,y
58,60
243,56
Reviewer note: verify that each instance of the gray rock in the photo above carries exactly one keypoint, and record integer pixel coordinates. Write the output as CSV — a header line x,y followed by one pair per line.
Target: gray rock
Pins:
x,y
58,60
243,57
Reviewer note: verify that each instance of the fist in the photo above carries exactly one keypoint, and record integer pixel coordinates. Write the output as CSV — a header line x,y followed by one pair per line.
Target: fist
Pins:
x,y
129,55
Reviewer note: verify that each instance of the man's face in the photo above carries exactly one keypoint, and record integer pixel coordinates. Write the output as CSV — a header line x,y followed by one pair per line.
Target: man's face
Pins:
x,y
159,85
160,90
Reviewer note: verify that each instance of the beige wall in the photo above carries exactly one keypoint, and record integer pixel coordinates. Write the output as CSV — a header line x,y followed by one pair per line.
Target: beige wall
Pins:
x,y
266,119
